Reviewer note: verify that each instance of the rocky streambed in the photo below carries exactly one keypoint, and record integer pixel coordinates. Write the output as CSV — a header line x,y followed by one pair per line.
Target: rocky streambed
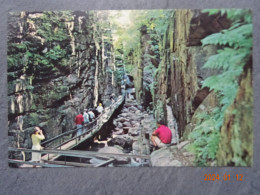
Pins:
x,y
130,134
127,136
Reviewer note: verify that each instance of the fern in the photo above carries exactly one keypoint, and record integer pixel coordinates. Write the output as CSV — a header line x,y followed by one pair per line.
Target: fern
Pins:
x,y
236,44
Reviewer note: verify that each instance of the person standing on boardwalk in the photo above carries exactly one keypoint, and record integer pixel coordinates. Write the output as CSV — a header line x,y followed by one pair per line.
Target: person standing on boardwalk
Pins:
x,y
91,115
37,136
79,120
86,116
162,136
86,119
100,109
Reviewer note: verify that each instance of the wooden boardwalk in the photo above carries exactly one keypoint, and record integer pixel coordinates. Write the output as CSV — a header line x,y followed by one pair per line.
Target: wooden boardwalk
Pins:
x,y
50,155
106,157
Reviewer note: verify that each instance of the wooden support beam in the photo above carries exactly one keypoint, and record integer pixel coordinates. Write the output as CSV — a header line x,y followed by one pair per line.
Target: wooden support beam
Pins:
x,y
105,163
74,164
35,163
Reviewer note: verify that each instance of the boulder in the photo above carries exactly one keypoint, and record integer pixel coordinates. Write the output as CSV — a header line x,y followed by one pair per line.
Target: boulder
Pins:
x,y
136,117
125,110
115,150
114,122
119,132
137,112
133,131
126,124
120,125
121,119
132,108
175,163
125,141
135,124
124,115
117,129
139,107
127,105
164,157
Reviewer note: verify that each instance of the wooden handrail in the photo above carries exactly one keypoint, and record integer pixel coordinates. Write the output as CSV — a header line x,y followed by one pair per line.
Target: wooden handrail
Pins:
x,y
79,153
75,130
70,132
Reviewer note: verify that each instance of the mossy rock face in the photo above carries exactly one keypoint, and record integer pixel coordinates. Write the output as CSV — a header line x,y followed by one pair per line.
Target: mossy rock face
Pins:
x,y
159,111
236,138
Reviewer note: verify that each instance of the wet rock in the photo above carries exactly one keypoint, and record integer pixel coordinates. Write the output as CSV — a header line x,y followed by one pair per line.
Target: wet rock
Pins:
x,y
124,141
125,110
136,118
127,105
137,112
127,124
121,119
114,122
124,115
115,150
117,129
120,125
132,108
139,107
119,132
133,131
135,124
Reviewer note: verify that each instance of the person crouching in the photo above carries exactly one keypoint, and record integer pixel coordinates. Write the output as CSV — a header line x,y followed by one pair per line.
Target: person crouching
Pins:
x,y
162,136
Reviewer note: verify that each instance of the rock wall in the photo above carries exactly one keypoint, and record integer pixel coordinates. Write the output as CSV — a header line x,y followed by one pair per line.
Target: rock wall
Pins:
x,y
235,147
145,63
58,64
179,76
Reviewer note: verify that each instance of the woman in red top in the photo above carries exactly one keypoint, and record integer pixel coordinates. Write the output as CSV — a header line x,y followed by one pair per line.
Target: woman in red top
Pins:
x,y
161,136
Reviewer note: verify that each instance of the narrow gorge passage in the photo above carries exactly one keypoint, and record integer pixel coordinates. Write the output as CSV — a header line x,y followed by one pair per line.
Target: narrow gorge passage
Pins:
x,y
191,69
128,132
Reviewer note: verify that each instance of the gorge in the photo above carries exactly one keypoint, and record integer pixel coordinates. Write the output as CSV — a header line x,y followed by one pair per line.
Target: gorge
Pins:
x,y
191,68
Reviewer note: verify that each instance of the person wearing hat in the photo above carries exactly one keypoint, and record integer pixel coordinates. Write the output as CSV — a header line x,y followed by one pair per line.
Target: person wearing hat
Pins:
x,y
36,137
162,136
100,108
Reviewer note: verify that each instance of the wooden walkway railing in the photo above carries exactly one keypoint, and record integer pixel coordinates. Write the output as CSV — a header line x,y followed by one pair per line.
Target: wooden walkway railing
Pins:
x,y
89,130
106,157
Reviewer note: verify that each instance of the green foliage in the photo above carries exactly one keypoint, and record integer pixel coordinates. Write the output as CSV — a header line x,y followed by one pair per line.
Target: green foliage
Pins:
x,y
230,61
52,26
235,52
128,36
205,137
119,73
153,85
46,51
